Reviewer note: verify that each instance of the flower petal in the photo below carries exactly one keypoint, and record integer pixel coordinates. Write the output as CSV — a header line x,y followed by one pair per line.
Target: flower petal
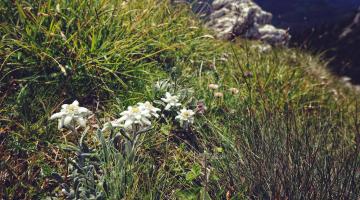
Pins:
x,y
81,121
67,120
56,115
61,123
147,114
124,113
128,123
146,121
123,118
83,110
167,107
75,103
115,124
138,116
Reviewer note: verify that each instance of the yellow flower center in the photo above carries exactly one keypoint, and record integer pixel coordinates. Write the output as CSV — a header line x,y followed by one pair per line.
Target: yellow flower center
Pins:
x,y
186,114
71,109
135,110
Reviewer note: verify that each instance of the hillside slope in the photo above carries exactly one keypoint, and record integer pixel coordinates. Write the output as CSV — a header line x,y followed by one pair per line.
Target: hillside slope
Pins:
x,y
267,124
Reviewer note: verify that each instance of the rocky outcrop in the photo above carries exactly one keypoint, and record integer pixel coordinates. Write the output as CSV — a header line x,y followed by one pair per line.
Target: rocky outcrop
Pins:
x,y
244,18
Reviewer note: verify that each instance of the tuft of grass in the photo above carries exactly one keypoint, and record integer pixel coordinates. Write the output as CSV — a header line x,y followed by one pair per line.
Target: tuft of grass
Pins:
x,y
290,132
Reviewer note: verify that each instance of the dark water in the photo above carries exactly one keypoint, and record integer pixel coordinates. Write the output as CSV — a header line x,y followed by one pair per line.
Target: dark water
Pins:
x,y
331,27
321,26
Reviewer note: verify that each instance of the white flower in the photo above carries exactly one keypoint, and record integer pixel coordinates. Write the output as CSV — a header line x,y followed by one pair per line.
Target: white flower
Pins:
x,y
149,107
113,124
135,115
213,86
186,116
172,101
71,114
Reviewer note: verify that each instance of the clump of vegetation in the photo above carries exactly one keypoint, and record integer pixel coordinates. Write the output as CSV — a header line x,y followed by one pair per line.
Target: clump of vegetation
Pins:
x,y
254,124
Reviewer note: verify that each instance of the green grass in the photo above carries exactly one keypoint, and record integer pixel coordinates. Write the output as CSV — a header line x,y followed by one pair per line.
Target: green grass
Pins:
x,y
291,131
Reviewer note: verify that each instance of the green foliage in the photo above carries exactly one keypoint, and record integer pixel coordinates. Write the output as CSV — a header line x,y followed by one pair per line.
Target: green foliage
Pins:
x,y
107,171
287,134
193,173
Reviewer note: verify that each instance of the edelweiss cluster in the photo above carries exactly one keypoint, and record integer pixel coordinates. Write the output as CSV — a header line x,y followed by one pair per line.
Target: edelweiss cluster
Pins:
x,y
185,115
139,114
136,116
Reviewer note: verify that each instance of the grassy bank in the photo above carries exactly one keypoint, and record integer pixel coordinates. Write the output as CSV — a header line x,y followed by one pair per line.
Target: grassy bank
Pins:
x,y
288,131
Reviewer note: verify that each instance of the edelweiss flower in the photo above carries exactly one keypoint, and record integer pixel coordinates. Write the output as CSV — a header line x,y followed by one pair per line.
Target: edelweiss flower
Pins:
x,y
213,86
149,107
71,114
135,115
172,101
186,116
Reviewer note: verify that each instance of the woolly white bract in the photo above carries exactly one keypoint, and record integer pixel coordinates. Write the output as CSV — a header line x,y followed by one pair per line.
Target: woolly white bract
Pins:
x,y
185,115
172,101
147,106
70,114
113,124
135,115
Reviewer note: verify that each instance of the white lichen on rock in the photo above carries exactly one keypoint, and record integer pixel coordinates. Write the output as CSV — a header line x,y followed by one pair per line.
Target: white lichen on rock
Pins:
x,y
244,18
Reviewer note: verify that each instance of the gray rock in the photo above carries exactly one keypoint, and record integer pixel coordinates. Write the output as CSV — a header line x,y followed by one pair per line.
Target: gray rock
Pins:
x,y
244,18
